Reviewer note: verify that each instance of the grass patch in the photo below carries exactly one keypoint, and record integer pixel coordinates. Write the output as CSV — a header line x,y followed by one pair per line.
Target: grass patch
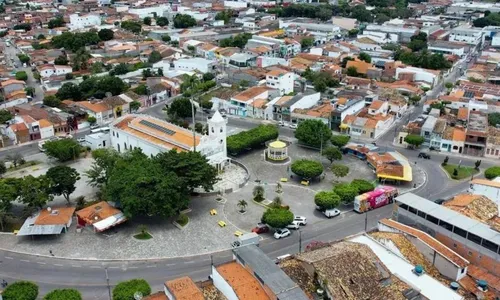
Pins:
x,y
182,220
143,236
463,171
25,165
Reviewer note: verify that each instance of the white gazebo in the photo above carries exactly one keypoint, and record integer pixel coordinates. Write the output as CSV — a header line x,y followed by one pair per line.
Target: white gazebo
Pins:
x,y
277,151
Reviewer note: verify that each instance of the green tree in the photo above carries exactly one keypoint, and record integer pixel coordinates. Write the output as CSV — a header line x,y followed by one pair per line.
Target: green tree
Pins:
x,y
125,290
326,200
24,26
332,154
9,191
154,57
340,140
51,101
147,21
63,294
313,133
448,85
258,193
362,185
252,138
61,60
106,34
353,32
166,38
111,84
133,26
134,106
477,163
208,76
307,42
97,67
24,58
492,172
352,71
445,161
162,21
5,116
100,170
277,217
121,69
16,159
184,21
41,37
365,57
3,168
181,108
21,290
360,13
21,75
346,192
92,120
62,180
56,22
382,18
63,149
242,204
339,170
414,140
69,90
35,191
307,168
493,119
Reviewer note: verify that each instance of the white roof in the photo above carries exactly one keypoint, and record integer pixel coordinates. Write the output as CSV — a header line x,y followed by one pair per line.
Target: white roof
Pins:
x,y
399,267
109,222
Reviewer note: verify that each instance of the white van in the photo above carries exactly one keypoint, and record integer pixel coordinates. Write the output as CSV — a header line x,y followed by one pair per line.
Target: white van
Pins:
x,y
101,129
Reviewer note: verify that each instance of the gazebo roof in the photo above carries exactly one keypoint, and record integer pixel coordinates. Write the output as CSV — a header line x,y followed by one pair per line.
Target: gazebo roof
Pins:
x,y
277,144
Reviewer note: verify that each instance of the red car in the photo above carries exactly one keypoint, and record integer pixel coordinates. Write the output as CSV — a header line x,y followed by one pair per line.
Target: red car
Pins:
x,y
261,228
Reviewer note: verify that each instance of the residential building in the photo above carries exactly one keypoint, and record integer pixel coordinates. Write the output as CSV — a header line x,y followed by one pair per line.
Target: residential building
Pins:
x,y
97,109
344,107
239,104
13,93
476,134
362,67
196,63
154,136
438,131
487,188
493,143
235,282
322,32
47,71
281,80
49,221
394,34
283,108
453,139
18,133
424,77
80,21
182,288
390,166
371,122
100,216
428,128
466,35
322,112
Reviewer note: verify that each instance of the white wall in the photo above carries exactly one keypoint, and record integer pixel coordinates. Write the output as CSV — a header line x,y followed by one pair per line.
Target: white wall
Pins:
x,y
78,22
98,140
46,132
12,103
221,284
120,139
306,101
284,83
352,110
420,75
148,11
235,4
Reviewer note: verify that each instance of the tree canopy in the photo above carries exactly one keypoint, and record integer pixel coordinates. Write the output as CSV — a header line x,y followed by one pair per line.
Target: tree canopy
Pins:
x,y
307,42
21,75
423,59
69,90
5,116
239,40
147,21
346,192
56,22
362,185
250,139
365,57
133,26
35,191
492,19
307,168
326,200
492,172
277,217
125,290
154,57
322,11
63,294
63,149
313,133
340,140
75,41
106,34
181,108
184,21
21,290
224,15
339,170
62,180
414,140
493,119
61,60
332,153
162,21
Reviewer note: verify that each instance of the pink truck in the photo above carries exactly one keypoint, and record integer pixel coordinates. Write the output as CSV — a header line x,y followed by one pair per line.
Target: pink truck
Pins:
x,y
382,195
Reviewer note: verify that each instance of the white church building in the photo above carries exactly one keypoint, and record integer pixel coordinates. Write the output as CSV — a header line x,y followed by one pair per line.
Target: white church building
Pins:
x,y
153,136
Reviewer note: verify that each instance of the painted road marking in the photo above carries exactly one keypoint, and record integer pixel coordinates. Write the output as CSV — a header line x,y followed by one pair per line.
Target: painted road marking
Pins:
x,y
25,260
40,263
59,265
95,267
76,266
150,266
169,265
132,267
190,262
8,257
114,267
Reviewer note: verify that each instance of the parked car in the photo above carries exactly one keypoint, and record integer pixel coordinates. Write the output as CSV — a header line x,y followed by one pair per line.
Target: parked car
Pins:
x,y
94,126
329,213
80,140
261,228
293,126
281,233
301,220
281,123
424,155
294,225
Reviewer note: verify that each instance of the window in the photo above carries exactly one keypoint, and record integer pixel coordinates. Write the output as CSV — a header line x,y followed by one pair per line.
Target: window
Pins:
x,y
403,206
113,133
422,214
412,210
432,219
258,277
445,225
462,271
472,237
117,135
125,146
460,232
490,246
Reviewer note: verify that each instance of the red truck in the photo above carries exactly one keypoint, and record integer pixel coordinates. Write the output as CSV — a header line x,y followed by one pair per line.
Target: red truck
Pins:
x,y
381,196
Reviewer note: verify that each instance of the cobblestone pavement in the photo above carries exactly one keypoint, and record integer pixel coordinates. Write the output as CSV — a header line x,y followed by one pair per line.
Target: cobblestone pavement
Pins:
x,y
231,178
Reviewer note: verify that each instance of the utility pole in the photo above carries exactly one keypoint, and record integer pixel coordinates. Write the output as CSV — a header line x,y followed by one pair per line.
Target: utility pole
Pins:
x,y
194,123
366,220
107,281
300,241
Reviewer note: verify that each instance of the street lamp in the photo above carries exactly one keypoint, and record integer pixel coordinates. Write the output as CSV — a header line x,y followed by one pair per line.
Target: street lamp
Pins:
x,y
194,123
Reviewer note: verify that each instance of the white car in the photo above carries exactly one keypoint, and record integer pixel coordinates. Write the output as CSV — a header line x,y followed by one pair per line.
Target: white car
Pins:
x,y
294,225
281,233
330,213
293,126
301,220
80,140
281,123
94,126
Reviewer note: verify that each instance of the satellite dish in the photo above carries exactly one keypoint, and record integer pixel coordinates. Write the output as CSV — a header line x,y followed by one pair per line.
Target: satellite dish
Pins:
x,y
137,295
49,209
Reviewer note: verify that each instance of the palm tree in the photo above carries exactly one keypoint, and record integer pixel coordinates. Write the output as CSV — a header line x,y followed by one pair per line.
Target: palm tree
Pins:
x,y
258,193
277,201
242,204
143,229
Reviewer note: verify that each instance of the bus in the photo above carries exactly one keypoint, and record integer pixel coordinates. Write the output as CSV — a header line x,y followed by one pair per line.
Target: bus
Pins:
x,y
382,195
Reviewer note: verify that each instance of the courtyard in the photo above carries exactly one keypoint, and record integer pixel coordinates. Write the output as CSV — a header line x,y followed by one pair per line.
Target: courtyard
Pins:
x,y
202,234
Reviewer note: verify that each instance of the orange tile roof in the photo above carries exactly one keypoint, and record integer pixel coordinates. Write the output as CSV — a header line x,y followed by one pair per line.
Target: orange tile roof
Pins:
x,y
11,81
157,296
276,72
478,273
97,212
184,289
44,123
470,285
430,241
376,104
57,216
18,127
458,135
361,66
463,113
243,283
94,107
486,182
283,100
259,103
342,101
371,123
181,139
250,93
27,119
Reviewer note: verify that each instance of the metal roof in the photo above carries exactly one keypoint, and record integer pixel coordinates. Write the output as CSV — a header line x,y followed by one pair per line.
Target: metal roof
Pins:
x,y
272,276
29,228
452,217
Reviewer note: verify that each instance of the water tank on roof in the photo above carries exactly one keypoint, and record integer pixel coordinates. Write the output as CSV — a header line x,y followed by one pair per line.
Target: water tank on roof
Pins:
x,y
419,270
454,286
482,284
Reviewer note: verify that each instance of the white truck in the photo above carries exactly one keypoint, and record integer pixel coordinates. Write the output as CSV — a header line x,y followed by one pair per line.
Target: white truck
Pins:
x,y
246,239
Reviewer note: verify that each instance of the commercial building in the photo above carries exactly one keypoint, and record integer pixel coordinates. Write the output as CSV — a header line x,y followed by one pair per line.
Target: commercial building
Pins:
x,y
390,166
196,63
48,221
80,21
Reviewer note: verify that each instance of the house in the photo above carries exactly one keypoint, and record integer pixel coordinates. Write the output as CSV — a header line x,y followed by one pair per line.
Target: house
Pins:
x,y
493,143
195,63
487,188
47,71
321,112
80,21
437,132
154,136
283,108
448,263
100,216
239,104
182,288
361,66
448,48
342,107
392,166
235,282
391,33
428,128
49,221
281,80
370,122
476,134
12,85
453,139
424,77
466,35
97,109
18,133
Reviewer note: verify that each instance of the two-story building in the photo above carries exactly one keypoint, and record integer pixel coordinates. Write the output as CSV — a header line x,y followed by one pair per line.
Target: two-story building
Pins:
x,y
240,104
80,21
281,80
283,108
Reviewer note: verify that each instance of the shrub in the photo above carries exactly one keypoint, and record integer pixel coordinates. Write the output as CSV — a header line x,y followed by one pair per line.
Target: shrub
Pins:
x,y
182,220
258,193
277,217
307,168
492,173
63,294
445,161
346,192
21,290
251,139
362,185
125,290
326,200
340,140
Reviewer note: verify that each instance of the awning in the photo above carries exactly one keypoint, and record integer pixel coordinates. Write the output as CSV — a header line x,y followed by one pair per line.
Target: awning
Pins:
x,y
110,222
